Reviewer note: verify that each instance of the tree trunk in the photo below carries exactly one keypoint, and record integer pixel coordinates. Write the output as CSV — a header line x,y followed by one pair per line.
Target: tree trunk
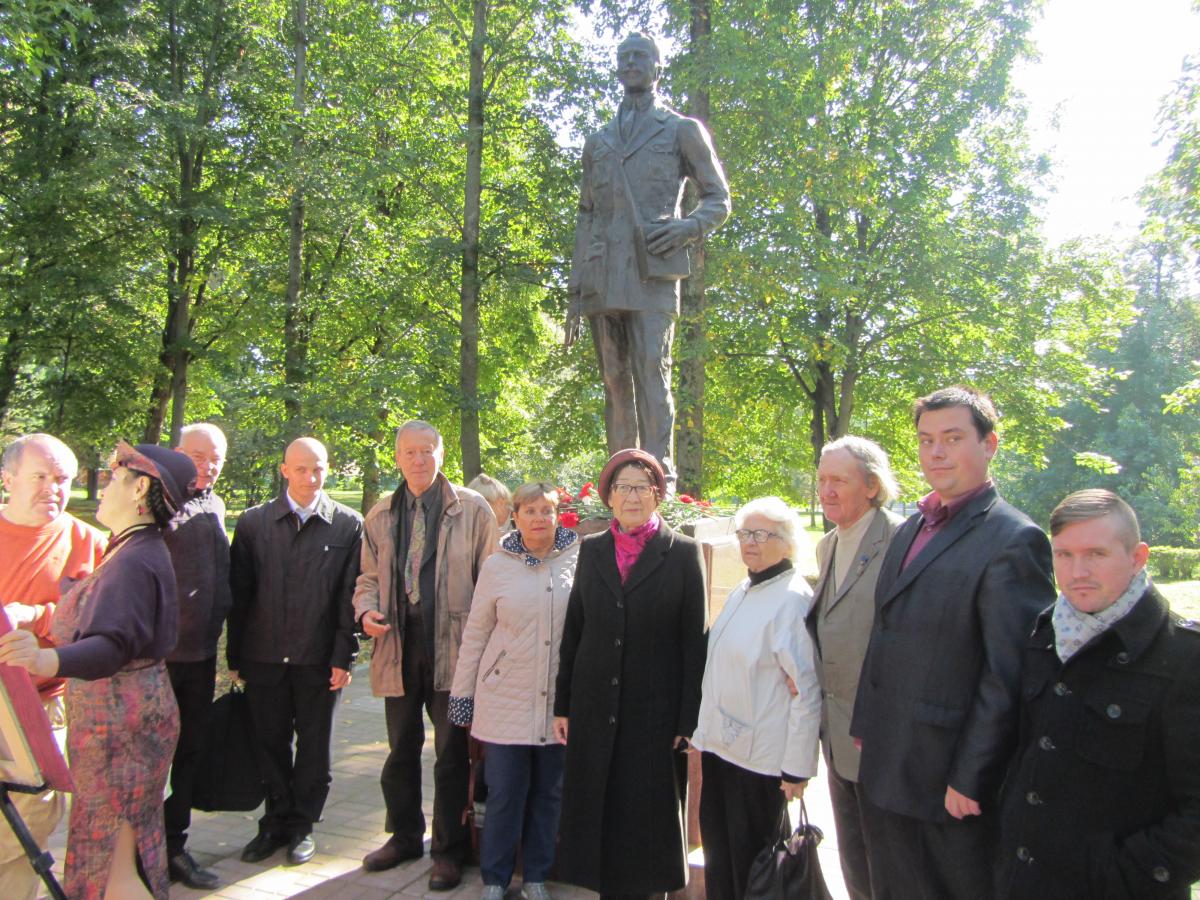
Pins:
x,y
693,331
295,324
472,462
10,358
372,472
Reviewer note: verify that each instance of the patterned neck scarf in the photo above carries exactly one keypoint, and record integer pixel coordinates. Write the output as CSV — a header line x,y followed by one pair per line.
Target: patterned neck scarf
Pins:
x,y
1074,630
512,542
630,544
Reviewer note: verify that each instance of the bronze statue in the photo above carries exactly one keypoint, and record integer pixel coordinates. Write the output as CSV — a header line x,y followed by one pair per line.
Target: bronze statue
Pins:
x,y
631,248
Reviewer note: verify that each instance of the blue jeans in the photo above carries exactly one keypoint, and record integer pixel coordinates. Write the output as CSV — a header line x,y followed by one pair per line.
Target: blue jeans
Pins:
x,y
524,799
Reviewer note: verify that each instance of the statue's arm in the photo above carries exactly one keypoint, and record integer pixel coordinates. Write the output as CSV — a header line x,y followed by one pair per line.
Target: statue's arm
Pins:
x,y
703,167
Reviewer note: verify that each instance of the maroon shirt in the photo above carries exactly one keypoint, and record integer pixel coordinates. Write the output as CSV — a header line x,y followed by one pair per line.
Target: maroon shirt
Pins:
x,y
934,516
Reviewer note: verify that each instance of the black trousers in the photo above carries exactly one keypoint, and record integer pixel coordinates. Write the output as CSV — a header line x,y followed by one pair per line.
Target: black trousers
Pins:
x,y
401,776
193,683
915,860
847,799
299,704
739,815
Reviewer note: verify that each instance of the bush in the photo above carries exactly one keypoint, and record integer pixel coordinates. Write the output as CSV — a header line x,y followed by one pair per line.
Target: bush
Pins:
x,y
1175,563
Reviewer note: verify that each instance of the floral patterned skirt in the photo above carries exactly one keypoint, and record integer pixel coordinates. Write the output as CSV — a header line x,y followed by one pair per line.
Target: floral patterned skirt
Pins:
x,y
121,734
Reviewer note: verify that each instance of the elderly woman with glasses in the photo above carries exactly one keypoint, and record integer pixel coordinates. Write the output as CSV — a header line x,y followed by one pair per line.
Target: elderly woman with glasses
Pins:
x,y
628,691
758,739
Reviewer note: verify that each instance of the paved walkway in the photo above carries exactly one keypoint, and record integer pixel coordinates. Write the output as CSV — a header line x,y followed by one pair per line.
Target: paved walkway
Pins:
x,y
353,826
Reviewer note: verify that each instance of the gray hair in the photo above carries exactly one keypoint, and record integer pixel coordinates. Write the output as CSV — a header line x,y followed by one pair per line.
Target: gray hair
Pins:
x,y
56,449
215,434
782,516
873,460
418,425
491,489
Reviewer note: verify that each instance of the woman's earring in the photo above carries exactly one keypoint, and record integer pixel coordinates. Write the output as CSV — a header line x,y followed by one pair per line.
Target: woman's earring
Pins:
x,y
142,510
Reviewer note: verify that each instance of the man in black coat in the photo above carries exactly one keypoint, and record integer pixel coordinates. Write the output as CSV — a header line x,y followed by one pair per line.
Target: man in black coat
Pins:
x,y
293,565
1103,799
199,551
958,591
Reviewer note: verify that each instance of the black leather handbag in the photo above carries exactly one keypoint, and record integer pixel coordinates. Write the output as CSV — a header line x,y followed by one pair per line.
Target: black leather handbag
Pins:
x,y
788,868
227,776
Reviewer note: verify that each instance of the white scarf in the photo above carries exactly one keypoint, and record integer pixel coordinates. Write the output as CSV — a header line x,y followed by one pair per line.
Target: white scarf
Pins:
x,y
1074,630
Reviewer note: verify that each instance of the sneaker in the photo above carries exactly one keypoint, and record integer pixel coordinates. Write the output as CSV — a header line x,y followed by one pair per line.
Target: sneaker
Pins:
x,y
535,890
492,892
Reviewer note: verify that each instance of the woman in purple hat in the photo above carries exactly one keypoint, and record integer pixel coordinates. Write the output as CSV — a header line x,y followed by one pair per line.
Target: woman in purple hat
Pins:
x,y
113,630
628,691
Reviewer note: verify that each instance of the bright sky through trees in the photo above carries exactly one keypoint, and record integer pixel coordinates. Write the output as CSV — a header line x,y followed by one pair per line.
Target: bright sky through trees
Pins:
x,y
1105,67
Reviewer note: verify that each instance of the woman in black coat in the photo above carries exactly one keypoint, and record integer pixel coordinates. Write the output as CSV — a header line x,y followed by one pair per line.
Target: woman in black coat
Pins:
x,y
628,691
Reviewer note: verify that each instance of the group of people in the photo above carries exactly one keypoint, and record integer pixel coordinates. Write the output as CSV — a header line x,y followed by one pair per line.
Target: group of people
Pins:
x,y
983,735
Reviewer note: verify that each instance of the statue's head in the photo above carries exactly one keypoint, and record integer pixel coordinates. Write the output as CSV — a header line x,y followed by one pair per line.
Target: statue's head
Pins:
x,y
639,64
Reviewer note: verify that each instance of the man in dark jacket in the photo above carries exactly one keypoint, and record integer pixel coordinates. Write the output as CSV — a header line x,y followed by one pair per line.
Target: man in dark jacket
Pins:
x,y
936,711
200,556
1103,799
293,565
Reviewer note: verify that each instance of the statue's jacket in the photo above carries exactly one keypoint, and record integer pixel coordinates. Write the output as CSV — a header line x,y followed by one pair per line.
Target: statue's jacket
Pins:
x,y
665,150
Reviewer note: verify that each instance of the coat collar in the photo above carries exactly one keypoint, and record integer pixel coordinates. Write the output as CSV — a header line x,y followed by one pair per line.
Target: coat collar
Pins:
x,y
451,504
648,126
964,521
871,545
323,510
652,557
1135,632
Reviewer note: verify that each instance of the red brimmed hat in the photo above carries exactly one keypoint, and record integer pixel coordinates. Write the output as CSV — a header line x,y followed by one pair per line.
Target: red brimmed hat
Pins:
x,y
623,457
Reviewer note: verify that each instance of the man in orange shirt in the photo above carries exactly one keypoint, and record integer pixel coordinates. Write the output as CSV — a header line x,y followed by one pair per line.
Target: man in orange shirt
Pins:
x,y
40,543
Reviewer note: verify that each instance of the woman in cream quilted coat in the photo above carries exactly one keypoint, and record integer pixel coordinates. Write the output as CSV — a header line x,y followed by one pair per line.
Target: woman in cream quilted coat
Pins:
x,y
504,688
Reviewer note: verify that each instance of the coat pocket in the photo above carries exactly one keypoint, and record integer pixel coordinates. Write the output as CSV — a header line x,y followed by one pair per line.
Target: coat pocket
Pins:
x,y
593,271
1112,731
939,715
496,670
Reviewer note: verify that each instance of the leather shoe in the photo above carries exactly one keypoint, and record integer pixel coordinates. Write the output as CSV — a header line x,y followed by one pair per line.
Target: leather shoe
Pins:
x,y
445,875
263,845
301,849
182,868
391,855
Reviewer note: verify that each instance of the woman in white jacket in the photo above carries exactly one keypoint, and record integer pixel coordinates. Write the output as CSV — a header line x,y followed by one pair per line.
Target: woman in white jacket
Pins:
x,y
758,739
504,688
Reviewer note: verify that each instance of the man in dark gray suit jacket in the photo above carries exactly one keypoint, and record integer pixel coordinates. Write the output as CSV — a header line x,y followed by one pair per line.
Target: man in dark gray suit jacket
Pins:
x,y
936,713
854,483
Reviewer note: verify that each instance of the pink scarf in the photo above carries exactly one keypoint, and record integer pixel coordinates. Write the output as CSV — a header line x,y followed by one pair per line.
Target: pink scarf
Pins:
x,y
630,544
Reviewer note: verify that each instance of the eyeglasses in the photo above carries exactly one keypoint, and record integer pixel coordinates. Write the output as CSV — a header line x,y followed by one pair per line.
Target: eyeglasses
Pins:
x,y
641,490
758,535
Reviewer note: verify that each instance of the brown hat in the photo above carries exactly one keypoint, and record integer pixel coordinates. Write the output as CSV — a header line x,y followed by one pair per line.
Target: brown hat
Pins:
x,y
623,457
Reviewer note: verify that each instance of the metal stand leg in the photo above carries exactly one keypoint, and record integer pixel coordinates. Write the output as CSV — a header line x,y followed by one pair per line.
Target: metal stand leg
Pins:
x,y
40,859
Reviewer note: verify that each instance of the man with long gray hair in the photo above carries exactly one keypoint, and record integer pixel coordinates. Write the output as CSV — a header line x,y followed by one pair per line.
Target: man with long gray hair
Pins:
x,y
854,484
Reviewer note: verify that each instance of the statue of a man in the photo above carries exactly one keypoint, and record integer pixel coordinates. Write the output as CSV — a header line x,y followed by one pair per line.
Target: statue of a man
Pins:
x,y
631,244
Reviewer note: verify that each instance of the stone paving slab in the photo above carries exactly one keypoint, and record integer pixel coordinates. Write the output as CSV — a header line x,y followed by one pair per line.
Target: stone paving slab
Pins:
x,y
353,826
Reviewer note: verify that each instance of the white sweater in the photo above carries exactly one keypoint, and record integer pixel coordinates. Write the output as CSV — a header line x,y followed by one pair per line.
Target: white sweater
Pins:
x,y
748,716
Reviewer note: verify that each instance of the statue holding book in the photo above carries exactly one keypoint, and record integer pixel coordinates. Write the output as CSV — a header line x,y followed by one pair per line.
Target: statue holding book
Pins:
x,y
631,248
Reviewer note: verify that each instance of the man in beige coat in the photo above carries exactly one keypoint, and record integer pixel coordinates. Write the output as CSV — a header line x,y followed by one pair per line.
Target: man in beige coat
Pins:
x,y
422,551
854,482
